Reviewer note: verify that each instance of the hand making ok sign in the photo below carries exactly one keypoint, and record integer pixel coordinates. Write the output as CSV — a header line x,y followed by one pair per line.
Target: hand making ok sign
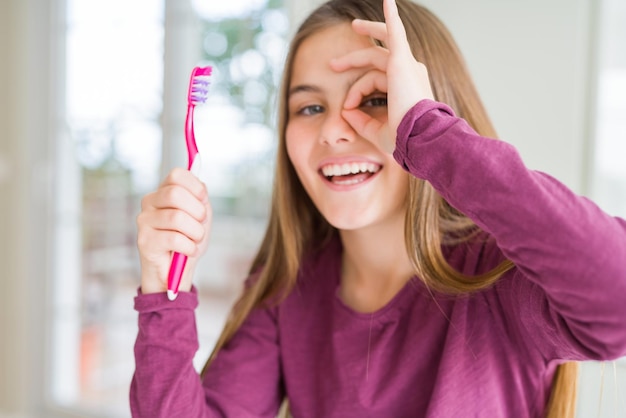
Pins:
x,y
394,71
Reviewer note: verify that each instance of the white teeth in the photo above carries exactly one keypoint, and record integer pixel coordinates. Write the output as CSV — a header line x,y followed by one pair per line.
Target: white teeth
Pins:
x,y
347,182
349,168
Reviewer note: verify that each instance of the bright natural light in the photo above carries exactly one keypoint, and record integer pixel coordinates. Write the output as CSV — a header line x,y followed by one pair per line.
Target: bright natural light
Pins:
x,y
609,184
215,10
114,82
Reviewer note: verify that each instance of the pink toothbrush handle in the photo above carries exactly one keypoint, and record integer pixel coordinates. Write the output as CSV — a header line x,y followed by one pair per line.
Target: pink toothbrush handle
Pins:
x,y
177,265
179,261
175,274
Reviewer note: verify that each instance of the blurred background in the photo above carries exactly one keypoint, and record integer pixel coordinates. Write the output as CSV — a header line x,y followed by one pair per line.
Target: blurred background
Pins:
x,y
92,107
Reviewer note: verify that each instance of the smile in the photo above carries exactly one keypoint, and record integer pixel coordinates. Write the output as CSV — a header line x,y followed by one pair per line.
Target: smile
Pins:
x,y
348,174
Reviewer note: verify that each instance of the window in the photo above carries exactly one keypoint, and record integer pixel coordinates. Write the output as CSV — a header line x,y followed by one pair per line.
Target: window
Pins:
x,y
113,83
117,150
609,176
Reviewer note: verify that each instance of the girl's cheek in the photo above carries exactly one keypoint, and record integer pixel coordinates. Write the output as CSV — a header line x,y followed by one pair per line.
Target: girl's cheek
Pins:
x,y
294,134
299,142
290,141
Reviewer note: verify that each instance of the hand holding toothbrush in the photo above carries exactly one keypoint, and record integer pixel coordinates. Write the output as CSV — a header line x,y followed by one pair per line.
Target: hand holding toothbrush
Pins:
x,y
175,218
174,222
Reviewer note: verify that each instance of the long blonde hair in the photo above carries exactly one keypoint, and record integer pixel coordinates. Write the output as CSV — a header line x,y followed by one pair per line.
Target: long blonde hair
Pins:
x,y
295,225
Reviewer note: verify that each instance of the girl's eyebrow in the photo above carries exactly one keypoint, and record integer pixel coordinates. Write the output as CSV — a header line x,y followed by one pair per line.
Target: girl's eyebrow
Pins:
x,y
301,88
310,88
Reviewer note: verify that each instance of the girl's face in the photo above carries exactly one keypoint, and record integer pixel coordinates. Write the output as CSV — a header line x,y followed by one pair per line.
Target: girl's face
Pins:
x,y
351,181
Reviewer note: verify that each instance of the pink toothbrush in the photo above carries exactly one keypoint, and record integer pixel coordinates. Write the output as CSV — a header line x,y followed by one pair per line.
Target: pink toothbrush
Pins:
x,y
196,95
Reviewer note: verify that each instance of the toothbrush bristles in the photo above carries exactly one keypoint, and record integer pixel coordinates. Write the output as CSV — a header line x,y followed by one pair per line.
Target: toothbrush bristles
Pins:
x,y
199,89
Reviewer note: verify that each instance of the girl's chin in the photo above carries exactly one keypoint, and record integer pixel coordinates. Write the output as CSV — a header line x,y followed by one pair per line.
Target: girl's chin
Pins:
x,y
355,216
349,221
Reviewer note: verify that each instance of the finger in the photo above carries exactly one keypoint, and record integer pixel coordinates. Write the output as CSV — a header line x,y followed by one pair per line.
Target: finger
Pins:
x,y
371,82
376,30
177,243
180,176
154,244
178,197
396,34
178,221
147,201
375,57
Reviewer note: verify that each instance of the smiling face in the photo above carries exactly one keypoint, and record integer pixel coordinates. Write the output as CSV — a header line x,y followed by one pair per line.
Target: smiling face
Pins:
x,y
352,182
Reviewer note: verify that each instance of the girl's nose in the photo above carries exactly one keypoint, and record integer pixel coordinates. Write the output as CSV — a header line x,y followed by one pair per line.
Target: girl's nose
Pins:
x,y
336,129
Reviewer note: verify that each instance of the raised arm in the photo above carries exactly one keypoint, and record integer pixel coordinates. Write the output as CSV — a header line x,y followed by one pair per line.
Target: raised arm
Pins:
x,y
244,379
561,242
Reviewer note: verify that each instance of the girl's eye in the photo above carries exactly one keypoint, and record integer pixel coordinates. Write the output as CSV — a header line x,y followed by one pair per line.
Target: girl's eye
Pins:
x,y
374,101
310,110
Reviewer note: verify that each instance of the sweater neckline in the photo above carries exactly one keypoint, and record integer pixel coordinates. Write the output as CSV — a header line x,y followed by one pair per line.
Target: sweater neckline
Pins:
x,y
394,307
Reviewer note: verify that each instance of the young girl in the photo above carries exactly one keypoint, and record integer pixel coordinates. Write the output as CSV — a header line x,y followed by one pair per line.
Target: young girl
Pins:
x,y
412,265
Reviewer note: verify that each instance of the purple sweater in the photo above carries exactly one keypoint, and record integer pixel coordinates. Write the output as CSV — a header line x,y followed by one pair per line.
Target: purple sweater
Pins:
x,y
489,354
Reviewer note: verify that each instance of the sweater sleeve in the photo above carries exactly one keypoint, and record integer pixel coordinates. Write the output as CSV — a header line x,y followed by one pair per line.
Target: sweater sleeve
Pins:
x,y
243,380
563,244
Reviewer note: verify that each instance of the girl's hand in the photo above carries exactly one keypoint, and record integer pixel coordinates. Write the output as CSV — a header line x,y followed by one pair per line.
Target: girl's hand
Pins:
x,y
174,218
394,71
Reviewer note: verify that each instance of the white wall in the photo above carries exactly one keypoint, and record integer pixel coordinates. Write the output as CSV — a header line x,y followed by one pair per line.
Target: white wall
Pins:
x,y
533,62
